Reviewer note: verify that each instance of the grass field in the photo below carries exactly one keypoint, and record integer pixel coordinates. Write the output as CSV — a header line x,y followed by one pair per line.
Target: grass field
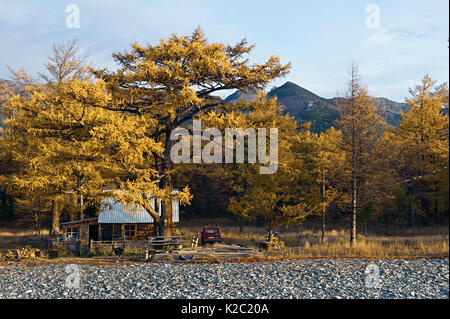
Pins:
x,y
421,242
299,243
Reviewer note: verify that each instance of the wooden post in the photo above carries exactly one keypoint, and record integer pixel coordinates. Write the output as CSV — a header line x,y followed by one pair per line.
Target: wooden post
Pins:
x,y
194,242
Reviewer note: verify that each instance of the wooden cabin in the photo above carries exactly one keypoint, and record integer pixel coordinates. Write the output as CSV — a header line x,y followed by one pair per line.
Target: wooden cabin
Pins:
x,y
115,222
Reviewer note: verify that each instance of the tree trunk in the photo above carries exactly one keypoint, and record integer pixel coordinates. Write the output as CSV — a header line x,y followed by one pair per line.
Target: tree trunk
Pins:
x,y
323,207
411,206
55,218
37,226
166,184
241,226
353,226
155,229
80,200
436,203
162,231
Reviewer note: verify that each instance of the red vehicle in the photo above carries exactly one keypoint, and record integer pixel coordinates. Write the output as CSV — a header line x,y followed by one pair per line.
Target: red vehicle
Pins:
x,y
211,235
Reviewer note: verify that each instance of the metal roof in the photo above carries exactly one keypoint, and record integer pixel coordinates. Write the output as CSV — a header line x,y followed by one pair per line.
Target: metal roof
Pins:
x,y
115,212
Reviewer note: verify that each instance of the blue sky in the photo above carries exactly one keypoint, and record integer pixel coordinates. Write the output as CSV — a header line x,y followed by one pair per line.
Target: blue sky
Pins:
x,y
319,38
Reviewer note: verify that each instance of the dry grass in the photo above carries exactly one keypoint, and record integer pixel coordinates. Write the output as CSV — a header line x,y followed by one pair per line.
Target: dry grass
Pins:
x,y
9,232
18,238
307,243
301,243
369,248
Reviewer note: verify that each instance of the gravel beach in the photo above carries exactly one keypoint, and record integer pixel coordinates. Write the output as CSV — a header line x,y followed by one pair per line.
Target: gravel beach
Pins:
x,y
320,278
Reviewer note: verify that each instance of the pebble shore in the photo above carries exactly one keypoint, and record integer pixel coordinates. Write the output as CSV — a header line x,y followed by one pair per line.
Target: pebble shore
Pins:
x,y
299,279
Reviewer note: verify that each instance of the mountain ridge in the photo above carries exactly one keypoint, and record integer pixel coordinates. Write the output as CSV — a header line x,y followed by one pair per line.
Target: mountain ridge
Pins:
x,y
307,106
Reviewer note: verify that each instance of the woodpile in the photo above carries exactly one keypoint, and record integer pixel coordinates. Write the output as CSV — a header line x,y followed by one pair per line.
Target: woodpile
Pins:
x,y
22,253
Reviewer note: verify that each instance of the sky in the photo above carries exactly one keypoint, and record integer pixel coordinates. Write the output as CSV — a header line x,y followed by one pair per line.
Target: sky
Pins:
x,y
395,43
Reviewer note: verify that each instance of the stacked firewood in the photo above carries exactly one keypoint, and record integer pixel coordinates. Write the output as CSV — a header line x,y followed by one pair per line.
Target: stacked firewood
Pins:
x,y
26,252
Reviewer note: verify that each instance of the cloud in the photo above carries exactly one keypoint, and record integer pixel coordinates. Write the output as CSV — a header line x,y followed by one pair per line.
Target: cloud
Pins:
x,y
14,14
371,68
385,36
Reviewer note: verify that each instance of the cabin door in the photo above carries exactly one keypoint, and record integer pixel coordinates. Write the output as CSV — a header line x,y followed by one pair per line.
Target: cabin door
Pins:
x,y
93,232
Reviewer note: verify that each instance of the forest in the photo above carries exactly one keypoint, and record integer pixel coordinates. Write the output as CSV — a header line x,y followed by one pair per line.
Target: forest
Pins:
x,y
74,130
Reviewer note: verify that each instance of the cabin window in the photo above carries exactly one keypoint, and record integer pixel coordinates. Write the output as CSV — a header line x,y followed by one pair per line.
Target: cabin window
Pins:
x,y
72,232
130,231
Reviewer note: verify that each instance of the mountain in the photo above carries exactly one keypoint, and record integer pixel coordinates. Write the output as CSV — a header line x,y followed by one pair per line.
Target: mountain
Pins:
x,y
241,96
306,106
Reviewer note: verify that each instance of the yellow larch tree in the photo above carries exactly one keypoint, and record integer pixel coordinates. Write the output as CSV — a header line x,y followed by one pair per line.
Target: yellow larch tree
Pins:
x,y
175,80
419,147
361,126
66,140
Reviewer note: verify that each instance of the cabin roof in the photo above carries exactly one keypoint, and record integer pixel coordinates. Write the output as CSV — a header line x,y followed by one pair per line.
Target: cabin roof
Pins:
x,y
114,212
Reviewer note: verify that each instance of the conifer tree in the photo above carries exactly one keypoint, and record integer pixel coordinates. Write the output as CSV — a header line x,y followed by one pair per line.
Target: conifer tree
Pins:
x,y
63,138
419,146
176,80
361,126
289,195
329,159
